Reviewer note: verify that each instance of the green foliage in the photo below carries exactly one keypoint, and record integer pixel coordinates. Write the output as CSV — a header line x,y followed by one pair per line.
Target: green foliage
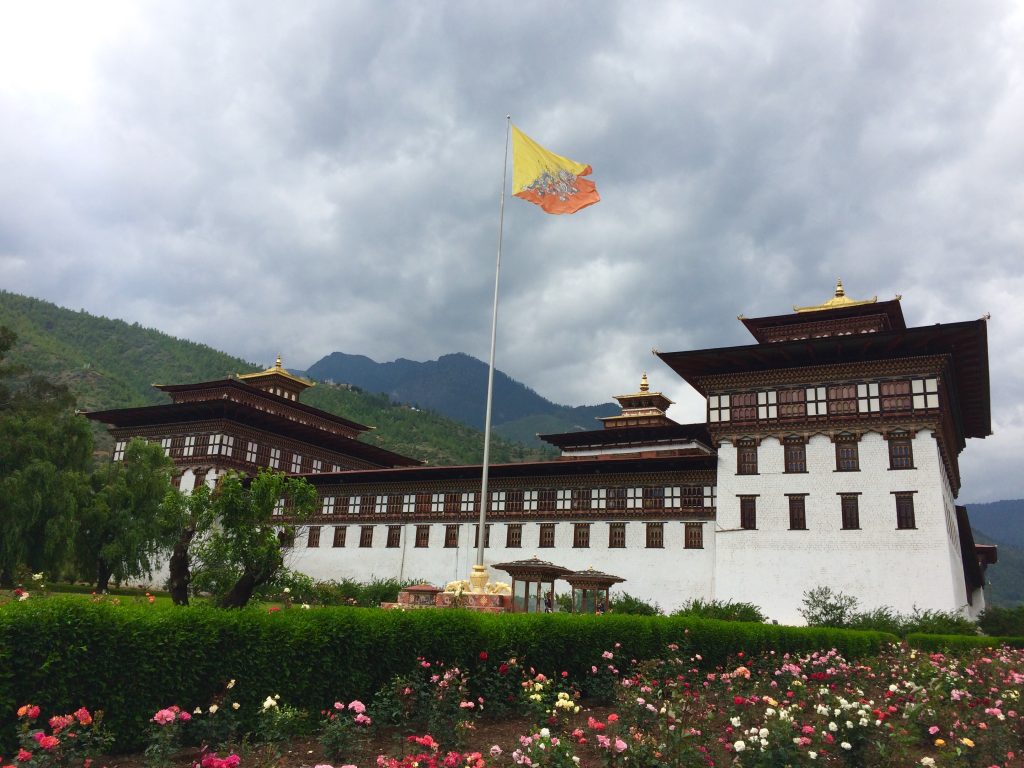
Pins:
x,y
120,534
290,586
825,608
954,643
1002,621
723,610
132,660
243,551
633,606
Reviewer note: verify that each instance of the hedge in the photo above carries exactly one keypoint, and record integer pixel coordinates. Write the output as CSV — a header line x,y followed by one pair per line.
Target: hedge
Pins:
x,y
130,660
960,642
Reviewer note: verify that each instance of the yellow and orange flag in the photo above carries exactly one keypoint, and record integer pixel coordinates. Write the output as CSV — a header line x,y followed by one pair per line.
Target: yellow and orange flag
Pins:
x,y
551,181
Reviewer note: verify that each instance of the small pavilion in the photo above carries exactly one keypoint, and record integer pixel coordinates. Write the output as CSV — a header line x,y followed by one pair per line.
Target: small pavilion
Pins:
x,y
590,590
533,584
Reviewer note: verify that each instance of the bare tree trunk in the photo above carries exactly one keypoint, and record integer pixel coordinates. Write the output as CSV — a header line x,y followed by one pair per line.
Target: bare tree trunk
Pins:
x,y
103,574
180,573
241,593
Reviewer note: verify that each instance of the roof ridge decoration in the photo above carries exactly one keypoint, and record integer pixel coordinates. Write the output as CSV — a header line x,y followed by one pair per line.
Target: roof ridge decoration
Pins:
x,y
840,299
277,370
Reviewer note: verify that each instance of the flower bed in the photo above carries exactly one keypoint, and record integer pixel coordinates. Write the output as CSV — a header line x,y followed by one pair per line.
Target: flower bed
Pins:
x,y
900,707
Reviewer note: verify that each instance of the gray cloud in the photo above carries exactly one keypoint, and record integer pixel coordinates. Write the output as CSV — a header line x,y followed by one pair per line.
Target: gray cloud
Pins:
x,y
326,177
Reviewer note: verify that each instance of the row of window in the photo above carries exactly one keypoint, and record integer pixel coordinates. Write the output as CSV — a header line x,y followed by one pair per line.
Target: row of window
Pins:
x,y
902,396
544,500
849,510
654,536
901,453
224,445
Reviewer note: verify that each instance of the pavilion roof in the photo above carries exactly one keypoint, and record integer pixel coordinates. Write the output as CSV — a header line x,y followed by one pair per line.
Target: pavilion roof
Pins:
x,y
533,569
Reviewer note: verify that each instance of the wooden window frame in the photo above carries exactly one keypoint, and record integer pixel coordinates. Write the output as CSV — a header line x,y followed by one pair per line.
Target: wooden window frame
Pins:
x,y
514,536
313,537
451,536
906,517
748,513
849,506
366,536
693,536
746,456
422,537
340,534
794,455
487,535
581,535
394,539
616,535
797,511
901,450
655,535
546,536
847,453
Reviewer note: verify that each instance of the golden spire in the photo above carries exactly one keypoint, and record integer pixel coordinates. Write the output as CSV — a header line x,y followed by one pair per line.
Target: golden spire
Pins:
x,y
644,386
278,363
840,299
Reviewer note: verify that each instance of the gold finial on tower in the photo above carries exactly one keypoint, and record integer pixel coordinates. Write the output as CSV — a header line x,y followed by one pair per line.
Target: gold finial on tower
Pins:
x,y
840,299
278,363
644,386
840,292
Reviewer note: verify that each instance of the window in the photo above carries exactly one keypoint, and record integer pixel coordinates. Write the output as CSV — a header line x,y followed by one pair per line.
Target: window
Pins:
x,y
794,454
746,457
166,445
296,462
335,468
767,406
616,498
408,503
380,505
355,504
797,512
286,538
901,451
250,452
634,498
190,446
546,500
744,406
655,535
581,535
694,536
327,505
654,498
487,536
547,536
437,503
228,446
513,536
497,501
451,536
422,536
514,502
339,535
119,450
748,512
710,496
815,401
317,465
279,507
598,498
847,455
563,501
215,444
842,399
895,396
926,393
467,502
529,501
673,497
365,536
718,408
792,403
275,458
313,540
616,535
905,511
394,536
851,511
868,398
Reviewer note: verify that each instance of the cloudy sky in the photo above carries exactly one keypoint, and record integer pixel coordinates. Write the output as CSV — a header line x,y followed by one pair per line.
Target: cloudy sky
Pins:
x,y
310,177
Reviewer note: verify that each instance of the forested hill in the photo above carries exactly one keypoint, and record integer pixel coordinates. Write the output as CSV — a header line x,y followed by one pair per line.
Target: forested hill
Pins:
x,y
112,364
1002,523
456,386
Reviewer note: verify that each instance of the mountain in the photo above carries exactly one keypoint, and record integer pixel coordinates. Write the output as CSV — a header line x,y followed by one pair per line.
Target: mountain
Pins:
x,y
1002,523
455,385
112,364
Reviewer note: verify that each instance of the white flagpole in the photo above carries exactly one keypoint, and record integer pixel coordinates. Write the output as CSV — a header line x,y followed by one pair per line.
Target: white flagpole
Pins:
x,y
482,529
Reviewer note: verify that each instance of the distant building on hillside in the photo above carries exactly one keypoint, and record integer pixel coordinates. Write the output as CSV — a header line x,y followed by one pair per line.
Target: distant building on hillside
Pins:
x,y
829,457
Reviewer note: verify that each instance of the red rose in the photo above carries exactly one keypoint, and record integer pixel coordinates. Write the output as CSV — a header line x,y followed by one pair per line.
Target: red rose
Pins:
x,y
483,655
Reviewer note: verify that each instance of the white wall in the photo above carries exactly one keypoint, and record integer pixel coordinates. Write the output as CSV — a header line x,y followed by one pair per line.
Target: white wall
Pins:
x,y
878,564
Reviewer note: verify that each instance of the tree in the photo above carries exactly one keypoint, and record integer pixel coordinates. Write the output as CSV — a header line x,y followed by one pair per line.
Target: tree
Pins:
x,y
244,545
121,532
825,608
45,452
186,518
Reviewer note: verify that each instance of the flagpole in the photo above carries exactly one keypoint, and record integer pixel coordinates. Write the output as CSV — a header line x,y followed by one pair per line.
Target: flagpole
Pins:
x,y
481,538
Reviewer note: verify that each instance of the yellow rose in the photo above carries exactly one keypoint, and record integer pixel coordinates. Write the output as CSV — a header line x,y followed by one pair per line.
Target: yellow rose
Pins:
x,y
967,741
940,743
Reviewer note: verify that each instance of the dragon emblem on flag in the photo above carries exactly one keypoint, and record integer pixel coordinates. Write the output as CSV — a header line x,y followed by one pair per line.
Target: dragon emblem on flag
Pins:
x,y
561,185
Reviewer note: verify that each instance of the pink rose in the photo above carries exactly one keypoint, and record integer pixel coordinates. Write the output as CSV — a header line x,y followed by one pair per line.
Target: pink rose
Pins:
x,y
357,706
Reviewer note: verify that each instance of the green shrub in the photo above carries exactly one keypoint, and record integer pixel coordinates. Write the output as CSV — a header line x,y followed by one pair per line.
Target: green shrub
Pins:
x,y
1002,621
633,606
132,660
927,642
723,610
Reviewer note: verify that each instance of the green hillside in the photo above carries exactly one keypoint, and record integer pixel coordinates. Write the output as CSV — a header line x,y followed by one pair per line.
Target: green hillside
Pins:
x,y
112,364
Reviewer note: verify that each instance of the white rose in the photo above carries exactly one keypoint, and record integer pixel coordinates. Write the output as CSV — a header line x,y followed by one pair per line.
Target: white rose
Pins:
x,y
846,745
269,703
739,746
213,709
544,732
235,705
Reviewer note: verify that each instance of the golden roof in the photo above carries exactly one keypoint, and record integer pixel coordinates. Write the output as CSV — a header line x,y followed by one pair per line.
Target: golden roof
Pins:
x,y
838,301
276,370
645,391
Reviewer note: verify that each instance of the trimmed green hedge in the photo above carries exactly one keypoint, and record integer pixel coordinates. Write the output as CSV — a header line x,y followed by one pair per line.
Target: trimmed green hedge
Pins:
x,y
131,660
957,642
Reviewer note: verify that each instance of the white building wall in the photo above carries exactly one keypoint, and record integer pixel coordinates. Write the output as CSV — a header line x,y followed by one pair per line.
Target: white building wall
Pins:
x,y
880,565
669,576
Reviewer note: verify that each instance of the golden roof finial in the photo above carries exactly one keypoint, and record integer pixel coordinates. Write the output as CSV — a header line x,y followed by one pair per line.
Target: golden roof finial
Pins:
x,y
644,386
840,299
278,363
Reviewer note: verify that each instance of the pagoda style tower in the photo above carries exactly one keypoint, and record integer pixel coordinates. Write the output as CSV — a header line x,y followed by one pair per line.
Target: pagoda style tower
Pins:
x,y
641,409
